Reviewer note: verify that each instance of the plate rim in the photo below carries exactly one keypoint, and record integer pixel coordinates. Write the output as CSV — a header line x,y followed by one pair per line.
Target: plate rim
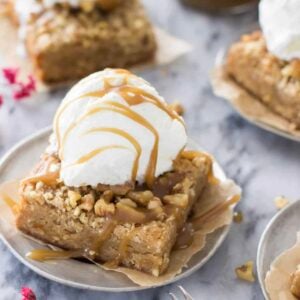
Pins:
x,y
262,243
47,130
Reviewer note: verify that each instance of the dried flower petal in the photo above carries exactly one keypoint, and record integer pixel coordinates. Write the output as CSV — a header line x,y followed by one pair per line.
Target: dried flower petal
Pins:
x,y
11,74
27,294
1,101
25,89
281,202
31,85
245,272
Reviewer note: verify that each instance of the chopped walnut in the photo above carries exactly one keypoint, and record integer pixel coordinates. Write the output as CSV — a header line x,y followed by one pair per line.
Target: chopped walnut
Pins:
x,y
83,218
181,200
292,69
245,272
74,197
154,203
103,209
128,202
295,285
87,202
281,202
141,198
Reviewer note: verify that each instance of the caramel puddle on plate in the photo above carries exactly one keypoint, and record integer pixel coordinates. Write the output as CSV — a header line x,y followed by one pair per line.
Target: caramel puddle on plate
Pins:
x,y
9,195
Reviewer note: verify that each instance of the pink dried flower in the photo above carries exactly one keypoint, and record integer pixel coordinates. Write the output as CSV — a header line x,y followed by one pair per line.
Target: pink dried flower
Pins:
x,y
27,294
21,93
11,74
1,101
25,89
31,85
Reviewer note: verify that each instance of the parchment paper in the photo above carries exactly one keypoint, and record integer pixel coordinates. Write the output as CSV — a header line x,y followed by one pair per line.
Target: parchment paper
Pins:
x,y
247,105
278,279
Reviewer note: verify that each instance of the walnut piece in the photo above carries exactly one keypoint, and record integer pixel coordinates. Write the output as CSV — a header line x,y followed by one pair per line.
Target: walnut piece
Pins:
x,y
103,209
141,198
74,197
87,202
281,202
245,272
180,200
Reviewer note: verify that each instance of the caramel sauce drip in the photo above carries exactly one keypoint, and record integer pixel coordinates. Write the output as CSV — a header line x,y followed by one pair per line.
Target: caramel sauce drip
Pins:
x,y
49,254
133,96
129,138
49,178
95,152
185,237
104,236
42,172
10,202
122,250
219,208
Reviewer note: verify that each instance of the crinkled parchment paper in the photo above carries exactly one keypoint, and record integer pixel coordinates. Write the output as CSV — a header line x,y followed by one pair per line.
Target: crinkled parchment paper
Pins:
x,y
169,49
212,196
247,105
278,279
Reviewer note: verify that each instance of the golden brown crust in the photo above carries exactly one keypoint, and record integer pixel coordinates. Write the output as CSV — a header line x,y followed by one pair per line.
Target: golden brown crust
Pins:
x,y
273,81
73,217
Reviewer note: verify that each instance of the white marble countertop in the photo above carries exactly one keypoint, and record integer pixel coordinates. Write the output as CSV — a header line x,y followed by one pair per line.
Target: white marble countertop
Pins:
x,y
265,165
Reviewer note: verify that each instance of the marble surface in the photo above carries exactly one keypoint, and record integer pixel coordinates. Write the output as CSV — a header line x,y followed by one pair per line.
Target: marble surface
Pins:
x,y
265,165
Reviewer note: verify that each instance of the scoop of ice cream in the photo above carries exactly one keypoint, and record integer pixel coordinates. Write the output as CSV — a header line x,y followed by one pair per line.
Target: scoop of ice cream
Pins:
x,y
280,23
112,128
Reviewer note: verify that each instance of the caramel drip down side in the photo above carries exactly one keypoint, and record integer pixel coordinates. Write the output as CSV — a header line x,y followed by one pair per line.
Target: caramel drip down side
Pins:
x,y
11,203
219,208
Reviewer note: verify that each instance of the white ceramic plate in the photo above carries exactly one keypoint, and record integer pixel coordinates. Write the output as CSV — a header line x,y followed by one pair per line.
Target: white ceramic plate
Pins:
x,y
279,235
15,164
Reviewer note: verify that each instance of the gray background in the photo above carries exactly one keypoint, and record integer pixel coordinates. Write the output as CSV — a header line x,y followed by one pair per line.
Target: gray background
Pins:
x,y
265,165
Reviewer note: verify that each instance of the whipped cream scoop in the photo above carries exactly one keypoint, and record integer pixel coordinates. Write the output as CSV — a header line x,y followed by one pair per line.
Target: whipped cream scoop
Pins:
x,y
112,128
280,23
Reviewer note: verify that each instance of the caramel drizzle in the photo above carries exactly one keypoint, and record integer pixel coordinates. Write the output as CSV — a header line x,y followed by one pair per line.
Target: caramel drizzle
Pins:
x,y
10,202
133,96
95,152
219,208
122,250
129,138
185,237
49,254
42,172
127,112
